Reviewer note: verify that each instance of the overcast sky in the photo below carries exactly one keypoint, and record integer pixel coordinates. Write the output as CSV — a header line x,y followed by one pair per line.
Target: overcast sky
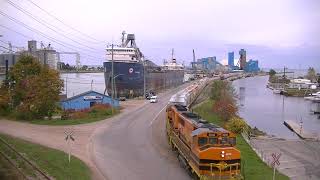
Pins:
x,y
276,32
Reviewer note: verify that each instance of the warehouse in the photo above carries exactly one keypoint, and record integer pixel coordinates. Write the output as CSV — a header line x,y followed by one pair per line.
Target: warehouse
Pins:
x,y
86,100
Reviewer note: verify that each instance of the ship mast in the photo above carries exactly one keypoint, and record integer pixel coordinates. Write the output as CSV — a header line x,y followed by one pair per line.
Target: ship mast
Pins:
x,y
123,39
172,56
172,53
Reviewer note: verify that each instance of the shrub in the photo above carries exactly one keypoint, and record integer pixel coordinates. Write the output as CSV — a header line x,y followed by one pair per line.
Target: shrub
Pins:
x,y
225,108
79,115
4,101
65,115
99,107
236,125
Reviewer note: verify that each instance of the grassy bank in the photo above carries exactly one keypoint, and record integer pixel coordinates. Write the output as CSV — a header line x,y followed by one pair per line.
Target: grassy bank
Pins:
x,y
254,167
53,162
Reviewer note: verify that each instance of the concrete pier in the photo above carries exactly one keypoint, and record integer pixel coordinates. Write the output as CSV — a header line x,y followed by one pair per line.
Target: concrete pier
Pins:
x,y
302,133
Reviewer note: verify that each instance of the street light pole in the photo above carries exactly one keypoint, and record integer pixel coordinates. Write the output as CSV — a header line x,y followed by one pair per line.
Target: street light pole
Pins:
x,y
112,80
115,86
144,80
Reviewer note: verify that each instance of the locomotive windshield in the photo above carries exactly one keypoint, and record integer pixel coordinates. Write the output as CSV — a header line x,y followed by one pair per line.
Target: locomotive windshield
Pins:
x,y
215,141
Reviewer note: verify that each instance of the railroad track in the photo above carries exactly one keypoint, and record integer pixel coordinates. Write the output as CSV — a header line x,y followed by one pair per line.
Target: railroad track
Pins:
x,y
20,163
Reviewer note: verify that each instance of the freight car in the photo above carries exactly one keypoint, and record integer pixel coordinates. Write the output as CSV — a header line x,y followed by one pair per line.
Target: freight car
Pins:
x,y
188,95
207,151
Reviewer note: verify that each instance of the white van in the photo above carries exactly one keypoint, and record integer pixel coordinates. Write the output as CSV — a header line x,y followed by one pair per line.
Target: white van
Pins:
x,y
153,99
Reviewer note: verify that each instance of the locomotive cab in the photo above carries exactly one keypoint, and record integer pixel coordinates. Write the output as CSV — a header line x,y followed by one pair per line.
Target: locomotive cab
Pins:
x,y
204,148
216,152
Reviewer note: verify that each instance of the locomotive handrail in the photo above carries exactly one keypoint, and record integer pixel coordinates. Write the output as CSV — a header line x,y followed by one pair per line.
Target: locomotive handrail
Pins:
x,y
221,166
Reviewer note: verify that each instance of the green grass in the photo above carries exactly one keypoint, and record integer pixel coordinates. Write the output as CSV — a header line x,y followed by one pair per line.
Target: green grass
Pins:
x,y
93,117
7,171
53,162
254,167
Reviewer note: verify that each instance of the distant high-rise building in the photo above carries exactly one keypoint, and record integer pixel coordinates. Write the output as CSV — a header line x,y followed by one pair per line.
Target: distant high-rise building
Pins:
x,y
243,60
252,66
231,59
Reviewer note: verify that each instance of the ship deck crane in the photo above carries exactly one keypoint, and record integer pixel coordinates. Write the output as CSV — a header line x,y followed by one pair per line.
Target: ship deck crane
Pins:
x,y
78,63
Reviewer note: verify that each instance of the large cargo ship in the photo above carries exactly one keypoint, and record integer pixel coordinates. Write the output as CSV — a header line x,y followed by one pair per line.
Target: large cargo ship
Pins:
x,y
133,75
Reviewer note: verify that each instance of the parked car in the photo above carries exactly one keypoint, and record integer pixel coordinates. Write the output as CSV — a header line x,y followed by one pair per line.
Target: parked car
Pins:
x,y
122,98
153,99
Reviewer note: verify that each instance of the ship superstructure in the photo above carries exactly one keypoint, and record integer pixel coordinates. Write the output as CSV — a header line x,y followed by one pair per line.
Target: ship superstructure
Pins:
x,y
127,51
173,64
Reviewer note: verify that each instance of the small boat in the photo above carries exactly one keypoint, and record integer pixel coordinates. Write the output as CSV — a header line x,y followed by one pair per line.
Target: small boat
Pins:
x,y
313,96
308,97
276,91
316,99
316,94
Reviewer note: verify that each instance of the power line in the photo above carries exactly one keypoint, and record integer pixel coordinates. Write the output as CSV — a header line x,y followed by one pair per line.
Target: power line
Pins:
x,y
7,49
74,29
42,34
44,23
27,37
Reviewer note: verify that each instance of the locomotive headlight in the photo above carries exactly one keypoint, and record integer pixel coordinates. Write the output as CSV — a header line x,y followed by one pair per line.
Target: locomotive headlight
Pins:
x,y
222,154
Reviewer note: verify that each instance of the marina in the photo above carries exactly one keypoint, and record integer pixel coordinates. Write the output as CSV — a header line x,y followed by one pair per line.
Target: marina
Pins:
x,y
267,111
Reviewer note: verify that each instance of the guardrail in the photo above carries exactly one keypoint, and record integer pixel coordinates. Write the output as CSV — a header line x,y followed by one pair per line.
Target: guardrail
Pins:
x,y
14,153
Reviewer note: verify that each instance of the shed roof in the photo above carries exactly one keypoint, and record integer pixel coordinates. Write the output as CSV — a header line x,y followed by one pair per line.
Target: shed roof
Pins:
x,y
83,94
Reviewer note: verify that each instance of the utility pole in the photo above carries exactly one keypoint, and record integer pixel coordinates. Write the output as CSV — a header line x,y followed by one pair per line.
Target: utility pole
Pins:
x,y
112,80
67,86
7,70
144,79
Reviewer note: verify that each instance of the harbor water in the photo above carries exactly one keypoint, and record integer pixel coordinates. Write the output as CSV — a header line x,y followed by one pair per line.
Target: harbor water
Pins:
x,y
263,109
77,83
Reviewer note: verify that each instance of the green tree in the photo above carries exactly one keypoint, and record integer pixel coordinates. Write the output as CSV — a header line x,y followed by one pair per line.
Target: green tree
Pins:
x,y
225,108
223,95
84,67
34,88
272,72
312,75
221,89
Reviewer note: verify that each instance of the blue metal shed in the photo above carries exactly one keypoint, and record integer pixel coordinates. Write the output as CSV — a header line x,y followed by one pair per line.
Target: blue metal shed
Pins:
x,y
86,100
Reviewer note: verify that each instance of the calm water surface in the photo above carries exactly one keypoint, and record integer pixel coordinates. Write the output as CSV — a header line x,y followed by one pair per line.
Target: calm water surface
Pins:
x,y
77,83
267,111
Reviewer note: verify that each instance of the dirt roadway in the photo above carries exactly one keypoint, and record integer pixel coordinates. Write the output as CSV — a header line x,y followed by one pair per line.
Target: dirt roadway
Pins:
x,y
53,136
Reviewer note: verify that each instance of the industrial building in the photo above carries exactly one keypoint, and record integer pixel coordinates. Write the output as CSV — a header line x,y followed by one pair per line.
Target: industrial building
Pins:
x,y
208,64
45,55
10,58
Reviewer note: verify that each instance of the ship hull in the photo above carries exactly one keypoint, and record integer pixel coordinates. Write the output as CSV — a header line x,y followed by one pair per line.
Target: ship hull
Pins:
x,y
129,78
